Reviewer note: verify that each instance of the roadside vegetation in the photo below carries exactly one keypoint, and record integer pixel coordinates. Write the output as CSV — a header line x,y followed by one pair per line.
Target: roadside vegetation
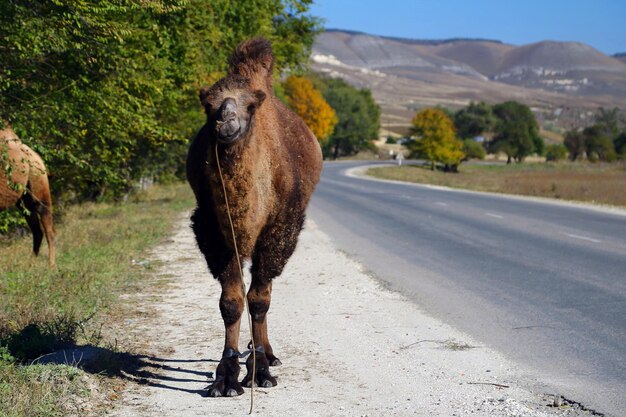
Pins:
x,y
107,91
102,252
345,119
601,183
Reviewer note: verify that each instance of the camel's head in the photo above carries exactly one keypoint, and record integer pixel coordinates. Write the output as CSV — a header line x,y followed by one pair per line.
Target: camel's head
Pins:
x,y
230,105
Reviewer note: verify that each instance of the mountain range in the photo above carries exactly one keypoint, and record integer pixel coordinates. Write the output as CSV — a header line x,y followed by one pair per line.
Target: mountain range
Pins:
x,y
564,82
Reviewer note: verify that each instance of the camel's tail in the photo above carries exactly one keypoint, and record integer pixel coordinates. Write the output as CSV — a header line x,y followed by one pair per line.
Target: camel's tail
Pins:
x,y
254,59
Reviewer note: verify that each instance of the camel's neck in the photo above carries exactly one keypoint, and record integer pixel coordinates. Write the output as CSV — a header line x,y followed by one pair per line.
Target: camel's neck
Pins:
x,y
247,189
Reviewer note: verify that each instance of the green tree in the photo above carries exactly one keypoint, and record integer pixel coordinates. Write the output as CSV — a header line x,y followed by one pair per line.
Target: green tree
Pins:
x,y
516,131
598,144
358,115
436,139
474,120
608,120
575,143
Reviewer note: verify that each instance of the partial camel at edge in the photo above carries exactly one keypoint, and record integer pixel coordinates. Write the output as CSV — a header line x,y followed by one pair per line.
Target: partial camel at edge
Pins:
x,y
24,181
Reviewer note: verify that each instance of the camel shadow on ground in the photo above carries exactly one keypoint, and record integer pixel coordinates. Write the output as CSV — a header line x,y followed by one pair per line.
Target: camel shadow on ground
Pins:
x,y
171,374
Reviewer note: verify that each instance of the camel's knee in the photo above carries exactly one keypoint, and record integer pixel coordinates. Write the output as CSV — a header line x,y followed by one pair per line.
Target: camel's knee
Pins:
x,y
259,302
231,309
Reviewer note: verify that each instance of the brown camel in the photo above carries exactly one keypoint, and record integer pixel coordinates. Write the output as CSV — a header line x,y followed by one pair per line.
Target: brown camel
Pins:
x,y
23,180
271,163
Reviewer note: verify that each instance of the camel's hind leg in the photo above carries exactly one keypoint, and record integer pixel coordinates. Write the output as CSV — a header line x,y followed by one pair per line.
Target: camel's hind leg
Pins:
x,y
32,218
45,218
271,253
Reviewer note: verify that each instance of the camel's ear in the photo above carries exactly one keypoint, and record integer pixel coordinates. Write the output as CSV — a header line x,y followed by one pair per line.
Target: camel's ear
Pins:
x,y
204,95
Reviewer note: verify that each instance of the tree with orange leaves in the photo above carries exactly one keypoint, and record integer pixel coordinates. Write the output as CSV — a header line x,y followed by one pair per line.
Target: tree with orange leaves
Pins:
x,y
308,103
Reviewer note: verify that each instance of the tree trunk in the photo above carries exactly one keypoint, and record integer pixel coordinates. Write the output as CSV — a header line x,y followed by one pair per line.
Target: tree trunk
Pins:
x,y
432,165
508,159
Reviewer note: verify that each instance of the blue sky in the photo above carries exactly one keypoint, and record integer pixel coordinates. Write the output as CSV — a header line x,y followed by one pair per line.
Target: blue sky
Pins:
x,y
600,23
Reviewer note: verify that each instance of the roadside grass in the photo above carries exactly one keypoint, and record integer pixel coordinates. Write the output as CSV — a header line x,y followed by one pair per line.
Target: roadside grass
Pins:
x,y
600,183
100,251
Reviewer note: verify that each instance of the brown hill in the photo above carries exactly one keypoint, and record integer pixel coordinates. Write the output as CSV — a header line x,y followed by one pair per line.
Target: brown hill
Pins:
x,y
570,67
484,56
562,81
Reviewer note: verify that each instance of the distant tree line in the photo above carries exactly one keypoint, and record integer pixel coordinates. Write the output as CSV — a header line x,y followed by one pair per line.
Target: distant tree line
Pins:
x,y
441,136
447,138
604,140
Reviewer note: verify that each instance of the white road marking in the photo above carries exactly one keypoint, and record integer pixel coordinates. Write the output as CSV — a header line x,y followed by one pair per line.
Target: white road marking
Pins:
x,y
583,238
439,203
497,216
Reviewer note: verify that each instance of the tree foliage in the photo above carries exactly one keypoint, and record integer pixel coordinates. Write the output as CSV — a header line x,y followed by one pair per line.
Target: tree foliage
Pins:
x,y
598,144
516,131
106,91
308,103
608,121
474,120
436,139
358,117
575,143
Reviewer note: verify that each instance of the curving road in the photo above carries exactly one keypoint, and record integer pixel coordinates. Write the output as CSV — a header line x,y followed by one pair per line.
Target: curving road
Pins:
x,y
543,283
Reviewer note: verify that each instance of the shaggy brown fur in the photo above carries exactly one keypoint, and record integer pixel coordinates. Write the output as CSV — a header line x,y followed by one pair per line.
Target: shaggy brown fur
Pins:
x,y
271,164
23,180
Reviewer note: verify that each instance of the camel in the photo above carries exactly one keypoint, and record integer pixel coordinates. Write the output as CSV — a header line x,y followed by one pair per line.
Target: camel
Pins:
x,y
271,163
24,181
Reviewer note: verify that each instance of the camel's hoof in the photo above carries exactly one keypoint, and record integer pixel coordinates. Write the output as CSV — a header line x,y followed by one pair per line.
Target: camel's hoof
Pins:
x,y
226,382
262,376
214,392
221,391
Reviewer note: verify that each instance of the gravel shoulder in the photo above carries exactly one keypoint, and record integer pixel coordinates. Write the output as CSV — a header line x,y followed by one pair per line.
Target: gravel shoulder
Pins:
x,y
349,347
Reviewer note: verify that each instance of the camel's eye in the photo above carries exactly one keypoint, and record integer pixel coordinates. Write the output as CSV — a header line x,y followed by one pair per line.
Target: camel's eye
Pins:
x,y
259,97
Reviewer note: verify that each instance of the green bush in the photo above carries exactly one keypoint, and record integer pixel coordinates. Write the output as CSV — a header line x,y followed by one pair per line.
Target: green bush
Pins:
x,y
473,149
556,152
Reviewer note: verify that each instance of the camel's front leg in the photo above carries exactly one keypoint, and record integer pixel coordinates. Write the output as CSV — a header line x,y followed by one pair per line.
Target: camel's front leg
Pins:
x,y
259,297
231,306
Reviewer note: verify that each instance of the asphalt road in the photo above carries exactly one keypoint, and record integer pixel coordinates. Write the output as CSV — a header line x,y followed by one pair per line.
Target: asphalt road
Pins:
x,y
543,283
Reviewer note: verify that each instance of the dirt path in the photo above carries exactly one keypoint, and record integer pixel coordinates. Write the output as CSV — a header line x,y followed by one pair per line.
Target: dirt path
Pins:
x,y
349,347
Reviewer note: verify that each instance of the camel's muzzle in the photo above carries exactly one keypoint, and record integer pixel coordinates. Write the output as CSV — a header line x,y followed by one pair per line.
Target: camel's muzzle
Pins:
x,y
227,125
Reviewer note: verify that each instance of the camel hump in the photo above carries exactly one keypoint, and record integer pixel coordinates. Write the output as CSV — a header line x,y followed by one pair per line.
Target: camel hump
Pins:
x,y
254,59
